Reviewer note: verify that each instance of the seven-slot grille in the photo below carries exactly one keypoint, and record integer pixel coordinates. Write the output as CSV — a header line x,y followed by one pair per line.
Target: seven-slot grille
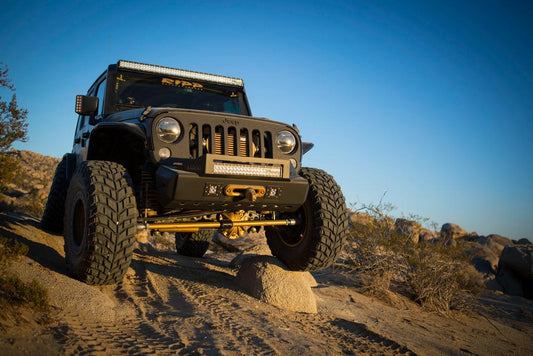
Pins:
x,y
231,141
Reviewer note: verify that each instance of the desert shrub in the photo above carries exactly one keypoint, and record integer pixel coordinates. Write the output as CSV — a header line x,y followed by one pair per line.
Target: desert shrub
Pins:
x,y
9,169
385,260
439,280
16,292
13,291
10,249
35,204
372,252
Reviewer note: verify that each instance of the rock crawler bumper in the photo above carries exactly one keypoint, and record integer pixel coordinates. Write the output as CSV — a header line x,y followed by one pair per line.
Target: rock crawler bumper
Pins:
x,y
181,189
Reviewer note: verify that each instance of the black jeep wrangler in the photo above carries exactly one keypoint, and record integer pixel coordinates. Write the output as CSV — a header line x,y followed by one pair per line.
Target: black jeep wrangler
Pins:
x,y
178,151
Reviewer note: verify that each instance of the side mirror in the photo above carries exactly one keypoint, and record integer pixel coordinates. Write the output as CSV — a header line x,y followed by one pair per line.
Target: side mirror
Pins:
x,y
86,105
306,147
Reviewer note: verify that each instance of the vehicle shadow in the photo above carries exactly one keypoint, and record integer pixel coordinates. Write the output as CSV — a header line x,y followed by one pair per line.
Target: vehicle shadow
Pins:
x,y
361,330
26,230
11,227
205,271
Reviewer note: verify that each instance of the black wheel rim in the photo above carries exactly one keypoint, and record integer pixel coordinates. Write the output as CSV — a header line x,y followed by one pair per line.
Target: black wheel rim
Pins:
x,y
293,236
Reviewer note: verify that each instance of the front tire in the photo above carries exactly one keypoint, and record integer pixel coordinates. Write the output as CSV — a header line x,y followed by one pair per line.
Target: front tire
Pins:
x,y
316,242
100,223
193,244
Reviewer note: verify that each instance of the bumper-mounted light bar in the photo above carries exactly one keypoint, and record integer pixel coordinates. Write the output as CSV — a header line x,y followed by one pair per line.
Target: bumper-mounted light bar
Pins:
x,y
246,166
237,169
155,69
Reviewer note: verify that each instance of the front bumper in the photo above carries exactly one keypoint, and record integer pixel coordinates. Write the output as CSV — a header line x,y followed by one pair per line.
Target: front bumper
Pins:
x,y
185,189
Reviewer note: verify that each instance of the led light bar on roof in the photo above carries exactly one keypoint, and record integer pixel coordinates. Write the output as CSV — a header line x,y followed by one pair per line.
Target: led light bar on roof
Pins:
x,y
150,68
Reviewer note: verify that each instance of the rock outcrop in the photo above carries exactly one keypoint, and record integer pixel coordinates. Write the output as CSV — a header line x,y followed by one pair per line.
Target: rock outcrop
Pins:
x,y
427,235
361,219
259,250
267,279
451,231
495,243
515,270
29,188
408,228
484,259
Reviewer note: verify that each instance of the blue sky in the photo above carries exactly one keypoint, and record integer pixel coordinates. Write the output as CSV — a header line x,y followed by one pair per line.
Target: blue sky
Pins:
x,y
428,101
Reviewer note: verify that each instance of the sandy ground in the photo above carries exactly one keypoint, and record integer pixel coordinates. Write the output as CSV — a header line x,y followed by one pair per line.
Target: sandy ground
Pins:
x,y
170,304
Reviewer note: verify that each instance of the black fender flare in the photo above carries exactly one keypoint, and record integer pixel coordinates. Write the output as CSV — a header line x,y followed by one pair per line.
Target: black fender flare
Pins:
x,y
106,133
105,127
71,161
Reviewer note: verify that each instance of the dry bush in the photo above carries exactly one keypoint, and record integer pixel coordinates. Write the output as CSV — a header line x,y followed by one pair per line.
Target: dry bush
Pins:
x,y
9,169
372,253
441,281
34,204
384,260
13,291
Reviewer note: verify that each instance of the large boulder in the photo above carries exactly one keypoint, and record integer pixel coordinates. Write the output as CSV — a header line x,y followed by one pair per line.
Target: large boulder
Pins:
x,y
259,250
504,241
515,270
427,235
451,231
495,243
509,281
408,228
483,258
361,219
267,279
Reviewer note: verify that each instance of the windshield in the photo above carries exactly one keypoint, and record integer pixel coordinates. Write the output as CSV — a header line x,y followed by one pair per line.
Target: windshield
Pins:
x,y
138,90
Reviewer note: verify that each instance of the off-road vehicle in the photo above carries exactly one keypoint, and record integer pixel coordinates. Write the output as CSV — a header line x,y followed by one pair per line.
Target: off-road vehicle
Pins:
x,y
178,151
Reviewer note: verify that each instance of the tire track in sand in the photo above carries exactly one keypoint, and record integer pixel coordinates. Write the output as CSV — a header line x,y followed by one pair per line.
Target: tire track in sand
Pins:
x,y
213,320
141,333
182,306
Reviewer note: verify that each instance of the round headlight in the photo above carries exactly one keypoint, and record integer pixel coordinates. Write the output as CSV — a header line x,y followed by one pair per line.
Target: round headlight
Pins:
x,y
286,142
168,130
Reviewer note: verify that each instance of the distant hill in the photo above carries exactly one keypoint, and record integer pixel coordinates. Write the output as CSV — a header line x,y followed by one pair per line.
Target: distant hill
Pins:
x,y
29,189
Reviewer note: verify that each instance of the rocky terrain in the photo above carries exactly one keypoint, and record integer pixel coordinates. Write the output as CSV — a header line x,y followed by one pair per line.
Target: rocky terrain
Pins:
x,y
231,301
29,189
503,264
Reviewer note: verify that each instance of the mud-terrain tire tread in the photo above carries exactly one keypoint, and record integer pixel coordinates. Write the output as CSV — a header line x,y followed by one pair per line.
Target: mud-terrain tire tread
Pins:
x,y
111,223
54,211
194,244
328,225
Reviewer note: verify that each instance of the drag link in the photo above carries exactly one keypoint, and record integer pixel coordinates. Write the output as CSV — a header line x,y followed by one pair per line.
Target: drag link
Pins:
x,y
224,224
